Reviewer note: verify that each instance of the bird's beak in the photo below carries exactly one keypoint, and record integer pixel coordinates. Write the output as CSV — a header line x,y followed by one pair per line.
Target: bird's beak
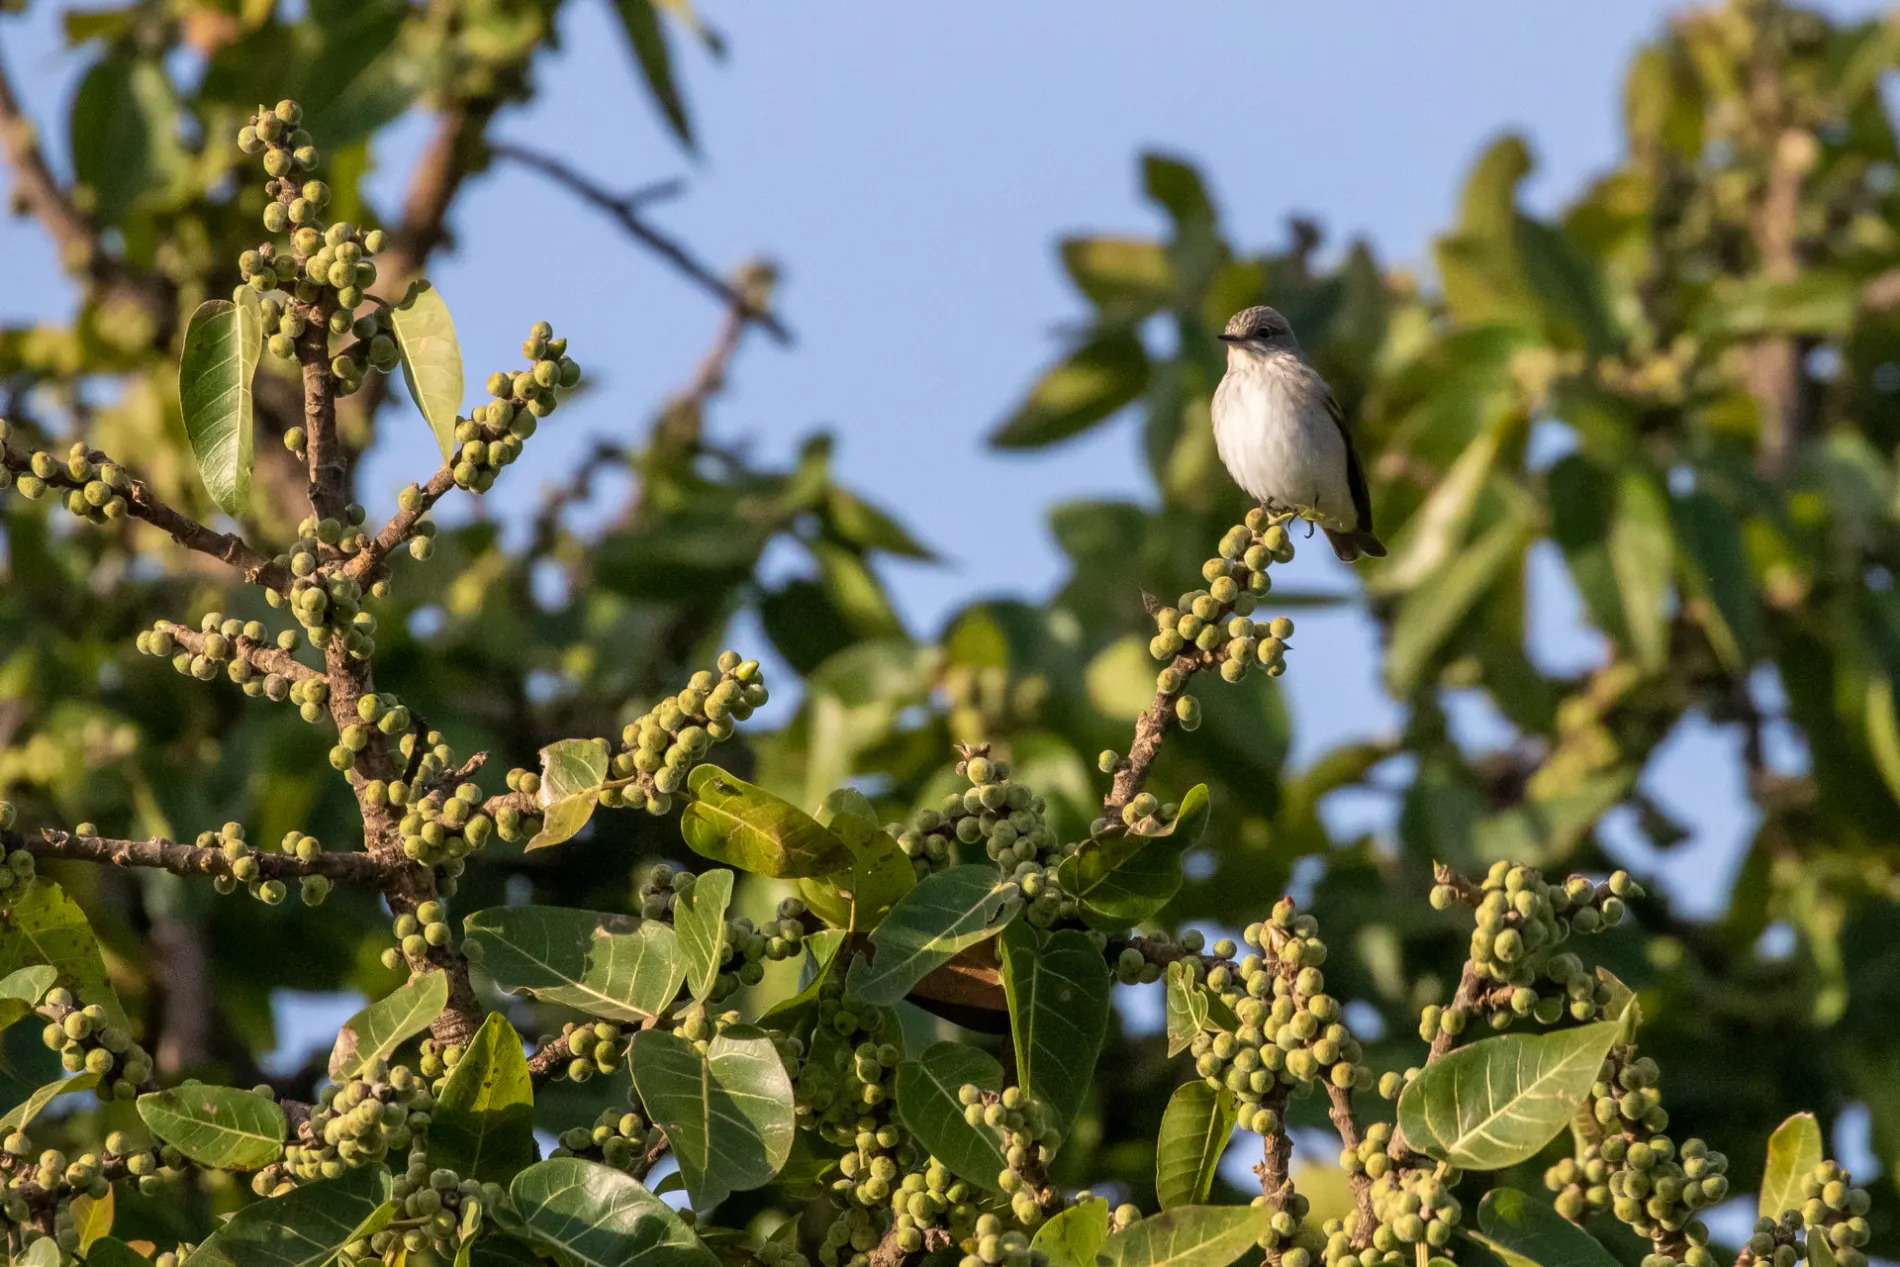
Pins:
x,y
1231,338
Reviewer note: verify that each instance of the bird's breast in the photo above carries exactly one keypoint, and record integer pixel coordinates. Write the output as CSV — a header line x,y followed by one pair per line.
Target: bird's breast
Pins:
x,y
1277,439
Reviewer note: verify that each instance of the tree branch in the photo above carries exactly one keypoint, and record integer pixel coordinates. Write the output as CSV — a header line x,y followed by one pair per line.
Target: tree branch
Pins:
x,y
142,503
260,655
183,859
625,209
401,526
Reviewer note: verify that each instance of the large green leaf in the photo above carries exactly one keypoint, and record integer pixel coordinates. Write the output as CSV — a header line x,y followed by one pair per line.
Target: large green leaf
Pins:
x,y
44,926
699,916
572,772
731,821
431,361
1129,277
41,1253
821,951
859,896
223,341
1431,613
21,1115
22,989
1089,385
1794,1150
375,1032
947,912
110,1251
1499,1101
1186,1008
1187,1236
1642,556
727,1111
221,1127
588,1215
611,966
1123,878
1194,1133
928,1107
1058,991
125,133
1074,1237
483,1124
1527,1233
1714,566
304,1227
646,39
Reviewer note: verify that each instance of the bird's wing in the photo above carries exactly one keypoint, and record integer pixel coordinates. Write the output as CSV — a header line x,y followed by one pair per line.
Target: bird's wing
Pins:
x,y
1355,476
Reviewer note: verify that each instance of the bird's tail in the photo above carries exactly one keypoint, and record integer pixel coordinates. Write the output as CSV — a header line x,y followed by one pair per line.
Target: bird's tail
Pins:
x,y
1351,545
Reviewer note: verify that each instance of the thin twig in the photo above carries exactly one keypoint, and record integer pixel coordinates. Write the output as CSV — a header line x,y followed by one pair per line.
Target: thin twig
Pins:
x,y
401,526
625,209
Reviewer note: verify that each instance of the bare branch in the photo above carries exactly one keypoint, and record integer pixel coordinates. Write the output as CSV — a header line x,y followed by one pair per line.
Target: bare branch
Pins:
x,y
625,209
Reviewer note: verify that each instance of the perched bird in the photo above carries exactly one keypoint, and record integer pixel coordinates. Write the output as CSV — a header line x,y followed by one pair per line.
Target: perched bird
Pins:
x,y
1282,436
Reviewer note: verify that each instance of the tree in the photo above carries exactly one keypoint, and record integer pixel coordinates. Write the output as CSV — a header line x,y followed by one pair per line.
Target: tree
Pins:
x,y
1705,324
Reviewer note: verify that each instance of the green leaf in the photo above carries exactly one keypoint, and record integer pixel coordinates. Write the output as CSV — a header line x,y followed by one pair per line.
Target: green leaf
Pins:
x,y
1527,1233
110,1251
42,1253
1497,1102
1186,1008
731,821
22,989
572,772
646,39
1194,1133
821,951
865,526
1642,556
1091,384
483,1124
1430,614
1074,1237
221,1127
223,341
1187,1236
21,1115
375,1032
92,1218
124,132
1124,878
304,1227
861,895
1130,277
1794,1150
431,360
1058,1014
1820,1252
44,926
1714,566
699,917
613,967
589,1215
947,912
727,1112
928,1107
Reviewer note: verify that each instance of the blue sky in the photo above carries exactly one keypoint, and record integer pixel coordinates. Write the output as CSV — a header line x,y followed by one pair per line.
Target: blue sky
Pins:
x,y
911,167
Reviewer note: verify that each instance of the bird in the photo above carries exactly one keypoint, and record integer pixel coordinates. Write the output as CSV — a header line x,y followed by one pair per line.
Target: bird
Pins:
x,y
1282,436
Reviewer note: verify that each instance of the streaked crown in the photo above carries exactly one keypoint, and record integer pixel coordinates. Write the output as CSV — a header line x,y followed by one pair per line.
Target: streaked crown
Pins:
x,y
1259,322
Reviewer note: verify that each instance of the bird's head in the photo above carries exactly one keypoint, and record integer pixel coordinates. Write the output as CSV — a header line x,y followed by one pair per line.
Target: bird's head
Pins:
x,y
1259,330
